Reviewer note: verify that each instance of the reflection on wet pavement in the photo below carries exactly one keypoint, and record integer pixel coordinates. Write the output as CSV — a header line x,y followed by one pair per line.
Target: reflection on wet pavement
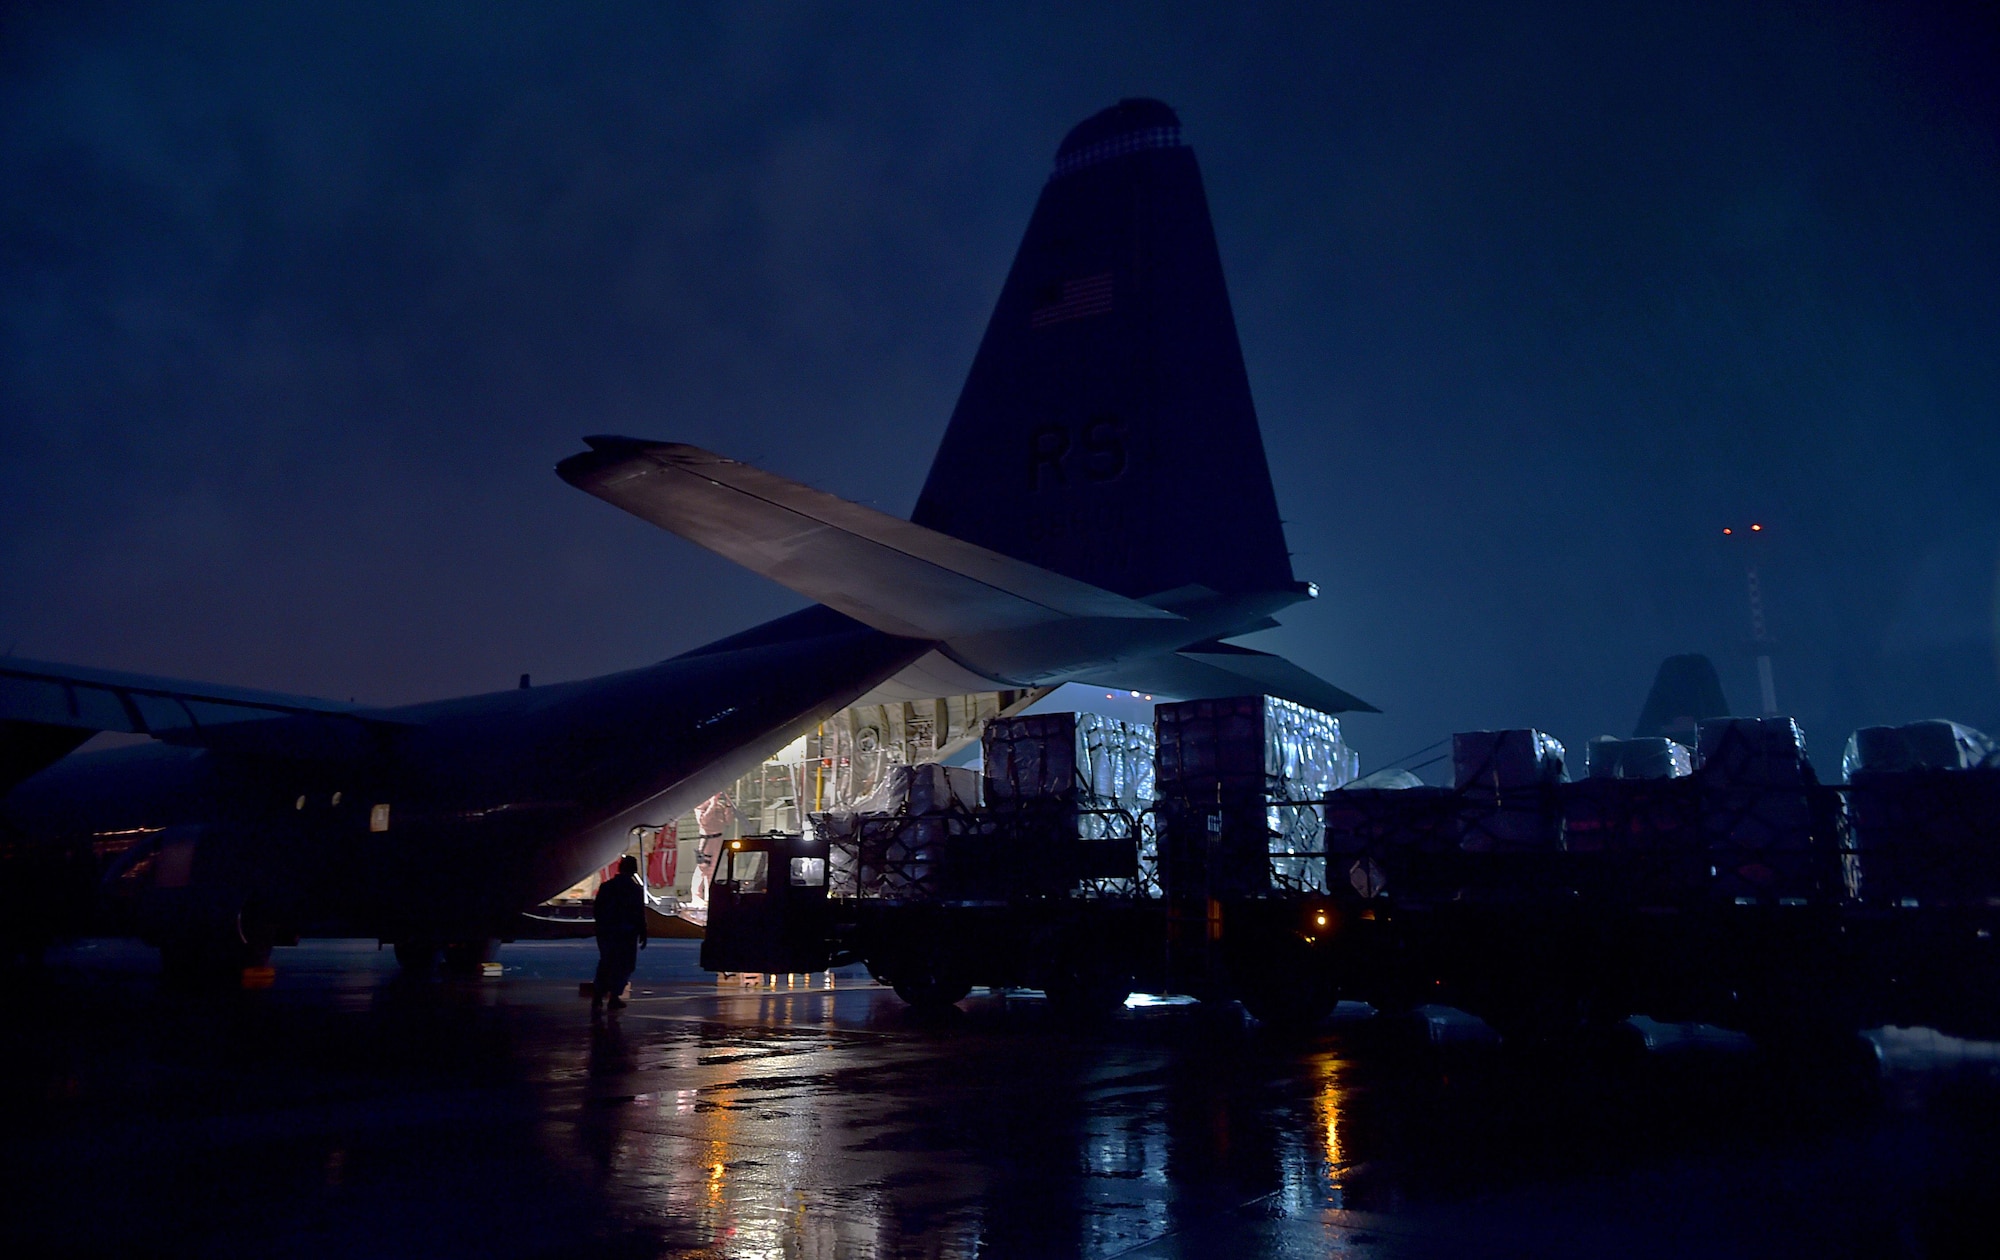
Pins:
x,y
343,1111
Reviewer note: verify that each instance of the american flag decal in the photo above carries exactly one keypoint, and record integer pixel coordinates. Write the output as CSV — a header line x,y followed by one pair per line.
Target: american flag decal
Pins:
x,y
1080,298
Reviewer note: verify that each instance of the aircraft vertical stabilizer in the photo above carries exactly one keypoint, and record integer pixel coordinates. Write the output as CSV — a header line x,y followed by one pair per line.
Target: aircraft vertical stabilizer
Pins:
x,y
1106,431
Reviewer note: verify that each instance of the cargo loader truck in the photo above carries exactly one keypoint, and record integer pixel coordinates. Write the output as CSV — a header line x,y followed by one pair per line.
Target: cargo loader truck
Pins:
x,y
1228,855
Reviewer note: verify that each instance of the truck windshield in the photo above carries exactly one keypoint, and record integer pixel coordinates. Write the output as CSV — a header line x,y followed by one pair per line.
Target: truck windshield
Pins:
x,y
745,869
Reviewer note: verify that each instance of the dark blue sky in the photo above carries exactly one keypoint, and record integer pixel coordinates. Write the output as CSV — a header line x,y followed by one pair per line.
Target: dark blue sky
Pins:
x,y
299,305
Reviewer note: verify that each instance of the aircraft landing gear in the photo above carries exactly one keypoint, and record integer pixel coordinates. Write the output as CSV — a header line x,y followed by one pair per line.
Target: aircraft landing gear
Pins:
x,y
418,959
194,957
466,958
191,962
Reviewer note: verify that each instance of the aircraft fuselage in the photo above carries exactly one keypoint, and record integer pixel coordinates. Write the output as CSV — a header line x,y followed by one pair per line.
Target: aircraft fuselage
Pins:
x,y
447,818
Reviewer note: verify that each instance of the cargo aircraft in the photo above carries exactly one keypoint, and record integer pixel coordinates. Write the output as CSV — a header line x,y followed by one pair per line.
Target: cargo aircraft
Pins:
x,y
1100,511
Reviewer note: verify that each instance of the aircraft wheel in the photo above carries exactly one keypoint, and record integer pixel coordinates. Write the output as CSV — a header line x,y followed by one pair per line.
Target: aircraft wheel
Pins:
x,y
931,992
192,962
1536,1019
417,958
1291,1009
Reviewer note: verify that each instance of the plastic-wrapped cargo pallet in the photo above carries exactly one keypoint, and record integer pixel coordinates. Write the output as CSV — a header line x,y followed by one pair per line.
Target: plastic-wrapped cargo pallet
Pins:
x,y
1758,810
1923,802
1240,781
1644,758
1087,777
894,841
1639,809
1503,778
1932,745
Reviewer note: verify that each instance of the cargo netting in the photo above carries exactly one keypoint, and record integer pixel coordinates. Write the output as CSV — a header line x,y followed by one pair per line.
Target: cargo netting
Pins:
x,y
902,840
1770,830
1083,783
1256,798
1925,837
1640,840
1751,825
1496,834
1501,777
1241,784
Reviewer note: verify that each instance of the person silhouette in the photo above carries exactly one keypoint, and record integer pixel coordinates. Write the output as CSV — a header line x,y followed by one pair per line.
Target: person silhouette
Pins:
x,y
620,911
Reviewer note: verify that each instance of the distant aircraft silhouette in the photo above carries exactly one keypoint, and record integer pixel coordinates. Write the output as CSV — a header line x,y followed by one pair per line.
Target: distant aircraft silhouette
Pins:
x,y
1685,691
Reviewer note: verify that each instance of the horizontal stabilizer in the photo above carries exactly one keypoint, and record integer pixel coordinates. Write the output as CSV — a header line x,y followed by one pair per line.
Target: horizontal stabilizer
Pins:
x,y
1213,670
881,570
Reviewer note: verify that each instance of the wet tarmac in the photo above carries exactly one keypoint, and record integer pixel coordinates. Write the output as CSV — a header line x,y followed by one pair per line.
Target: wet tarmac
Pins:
x,y
342,1111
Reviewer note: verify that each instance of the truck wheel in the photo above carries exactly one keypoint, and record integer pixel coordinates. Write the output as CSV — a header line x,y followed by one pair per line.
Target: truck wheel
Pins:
x,y
1539,1019
1090,998
930,992
1289,987
1087,990
1291,1009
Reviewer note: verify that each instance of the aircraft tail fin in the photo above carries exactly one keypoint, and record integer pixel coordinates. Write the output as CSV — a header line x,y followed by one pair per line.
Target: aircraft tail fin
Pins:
x,y
1106,430
1685,691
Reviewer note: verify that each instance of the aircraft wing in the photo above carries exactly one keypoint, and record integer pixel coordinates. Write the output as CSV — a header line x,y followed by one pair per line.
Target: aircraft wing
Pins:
x,y
1216,669
110,700
46,710
883,571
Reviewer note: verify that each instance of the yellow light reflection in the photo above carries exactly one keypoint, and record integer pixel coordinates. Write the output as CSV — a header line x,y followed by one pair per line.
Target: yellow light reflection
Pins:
x,y
1326,1116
